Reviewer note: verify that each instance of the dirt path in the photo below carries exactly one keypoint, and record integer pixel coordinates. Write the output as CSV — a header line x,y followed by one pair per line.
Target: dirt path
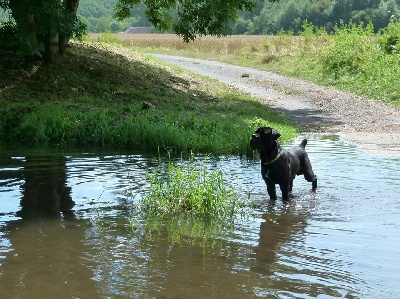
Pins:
x,y
373,125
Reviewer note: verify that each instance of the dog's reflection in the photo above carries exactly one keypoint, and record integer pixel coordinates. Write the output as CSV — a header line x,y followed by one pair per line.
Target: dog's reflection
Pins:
x,y
280,225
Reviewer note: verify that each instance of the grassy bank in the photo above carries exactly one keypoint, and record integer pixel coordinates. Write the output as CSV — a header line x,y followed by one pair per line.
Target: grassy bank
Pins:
x,y
95,98
351,58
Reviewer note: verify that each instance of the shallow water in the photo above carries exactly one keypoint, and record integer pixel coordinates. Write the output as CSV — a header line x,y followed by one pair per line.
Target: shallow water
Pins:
x,y
343,241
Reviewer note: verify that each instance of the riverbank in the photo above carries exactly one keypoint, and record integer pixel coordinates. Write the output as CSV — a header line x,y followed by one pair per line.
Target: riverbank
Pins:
x,y
373,125
102,95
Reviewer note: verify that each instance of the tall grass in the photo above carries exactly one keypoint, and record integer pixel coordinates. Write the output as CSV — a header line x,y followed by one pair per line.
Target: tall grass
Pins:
x,y
187,186
170,130
187,201
171,42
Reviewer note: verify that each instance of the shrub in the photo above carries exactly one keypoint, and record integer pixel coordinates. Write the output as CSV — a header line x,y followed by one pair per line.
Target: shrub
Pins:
x,y
389,38
350,49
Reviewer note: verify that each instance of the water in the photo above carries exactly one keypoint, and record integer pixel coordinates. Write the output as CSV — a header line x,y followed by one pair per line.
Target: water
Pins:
x,y
343,241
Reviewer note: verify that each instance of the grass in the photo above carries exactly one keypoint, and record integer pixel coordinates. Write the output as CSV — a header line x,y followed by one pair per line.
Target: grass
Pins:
x,y
350,58
95,97
188,200
188,186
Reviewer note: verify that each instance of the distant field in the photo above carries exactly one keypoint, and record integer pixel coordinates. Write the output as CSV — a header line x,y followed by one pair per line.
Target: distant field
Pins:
x,y
223,45
259,51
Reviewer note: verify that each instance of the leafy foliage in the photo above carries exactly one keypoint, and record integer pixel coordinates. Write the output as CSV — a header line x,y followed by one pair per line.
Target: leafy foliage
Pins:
x,y
389,39
291,14
189,18
99,16
349,50
367,64
37,26
264,17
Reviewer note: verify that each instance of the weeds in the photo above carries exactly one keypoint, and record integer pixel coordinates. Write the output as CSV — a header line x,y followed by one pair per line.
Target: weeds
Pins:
x,y
349,51
191,202
351,58
189,187
363,63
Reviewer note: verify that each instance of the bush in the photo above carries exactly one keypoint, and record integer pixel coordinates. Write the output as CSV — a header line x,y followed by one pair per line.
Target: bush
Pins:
x,y
13,47
350,49
8,35
389,38
363,62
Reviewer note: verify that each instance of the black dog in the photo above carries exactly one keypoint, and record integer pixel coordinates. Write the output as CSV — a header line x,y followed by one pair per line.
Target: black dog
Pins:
x,y
280,166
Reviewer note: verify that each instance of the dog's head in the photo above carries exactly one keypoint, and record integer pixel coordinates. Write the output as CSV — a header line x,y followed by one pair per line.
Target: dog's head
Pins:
x,y
264,138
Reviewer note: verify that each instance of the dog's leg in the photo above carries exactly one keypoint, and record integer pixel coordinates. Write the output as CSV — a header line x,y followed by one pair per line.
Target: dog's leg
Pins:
x,y
313,180
285,188
309,174
271,189
311,177
314,183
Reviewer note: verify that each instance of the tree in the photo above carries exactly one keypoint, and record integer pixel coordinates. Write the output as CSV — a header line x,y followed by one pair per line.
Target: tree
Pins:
x,y
190,19
44,27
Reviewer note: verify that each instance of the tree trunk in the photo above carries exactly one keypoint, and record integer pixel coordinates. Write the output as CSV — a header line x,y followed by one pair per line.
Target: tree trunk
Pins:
x,y
51,53
31,32
71,6
23,16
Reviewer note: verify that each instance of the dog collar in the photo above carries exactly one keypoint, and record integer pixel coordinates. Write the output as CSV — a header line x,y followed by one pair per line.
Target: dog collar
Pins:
x,y
273,160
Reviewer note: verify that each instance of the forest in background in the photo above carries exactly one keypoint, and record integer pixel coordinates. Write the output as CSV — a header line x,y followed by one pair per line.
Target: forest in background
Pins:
x,y
267,17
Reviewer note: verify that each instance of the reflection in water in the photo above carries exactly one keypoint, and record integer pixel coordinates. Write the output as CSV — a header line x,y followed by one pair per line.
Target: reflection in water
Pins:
x,y
291,266
342,241
278,227
46,260
45,189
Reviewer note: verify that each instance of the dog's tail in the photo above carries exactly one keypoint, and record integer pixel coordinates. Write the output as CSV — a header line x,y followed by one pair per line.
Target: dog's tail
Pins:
x,y
303,143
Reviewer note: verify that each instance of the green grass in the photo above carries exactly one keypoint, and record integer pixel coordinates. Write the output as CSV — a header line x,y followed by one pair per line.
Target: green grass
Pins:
x,y
190,202
94,97
188,186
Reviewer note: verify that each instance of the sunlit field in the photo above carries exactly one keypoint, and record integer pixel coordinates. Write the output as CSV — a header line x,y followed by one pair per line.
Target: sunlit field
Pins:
x,y
265,52
262,46
223,45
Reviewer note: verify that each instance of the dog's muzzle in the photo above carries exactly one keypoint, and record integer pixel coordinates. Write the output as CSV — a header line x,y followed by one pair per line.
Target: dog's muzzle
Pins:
x,y
255,142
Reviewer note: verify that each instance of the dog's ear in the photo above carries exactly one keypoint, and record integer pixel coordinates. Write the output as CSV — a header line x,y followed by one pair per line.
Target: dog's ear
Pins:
x,y
275,134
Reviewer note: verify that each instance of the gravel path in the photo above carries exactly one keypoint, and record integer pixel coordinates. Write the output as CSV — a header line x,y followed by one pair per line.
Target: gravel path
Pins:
x,y
373,125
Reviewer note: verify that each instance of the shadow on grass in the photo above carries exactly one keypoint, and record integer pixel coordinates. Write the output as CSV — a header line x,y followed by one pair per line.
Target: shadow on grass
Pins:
x,y
95,96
